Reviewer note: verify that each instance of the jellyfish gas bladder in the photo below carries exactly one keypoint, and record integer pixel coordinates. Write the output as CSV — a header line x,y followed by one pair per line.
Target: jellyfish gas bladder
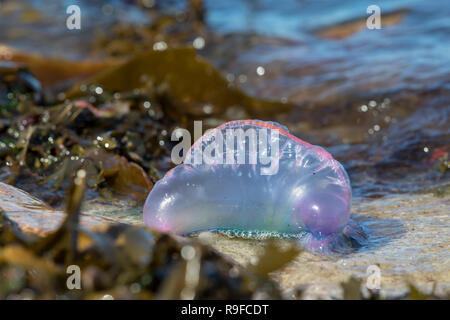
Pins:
x,y
251,177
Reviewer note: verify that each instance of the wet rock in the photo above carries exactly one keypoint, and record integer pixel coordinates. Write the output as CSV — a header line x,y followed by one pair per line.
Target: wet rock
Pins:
x,y
15,78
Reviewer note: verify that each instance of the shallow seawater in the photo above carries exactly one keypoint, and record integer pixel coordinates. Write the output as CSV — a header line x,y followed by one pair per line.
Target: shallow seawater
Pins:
x,y
377,100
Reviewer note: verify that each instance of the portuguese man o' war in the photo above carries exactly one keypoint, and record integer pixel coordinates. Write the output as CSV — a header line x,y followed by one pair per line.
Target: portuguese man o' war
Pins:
x,y
255,179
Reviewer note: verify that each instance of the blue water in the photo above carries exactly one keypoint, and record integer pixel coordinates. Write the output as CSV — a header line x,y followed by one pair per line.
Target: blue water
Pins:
x,y
414,54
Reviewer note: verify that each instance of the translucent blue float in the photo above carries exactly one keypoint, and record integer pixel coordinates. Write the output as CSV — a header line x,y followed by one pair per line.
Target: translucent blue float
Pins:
x,y
230,186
